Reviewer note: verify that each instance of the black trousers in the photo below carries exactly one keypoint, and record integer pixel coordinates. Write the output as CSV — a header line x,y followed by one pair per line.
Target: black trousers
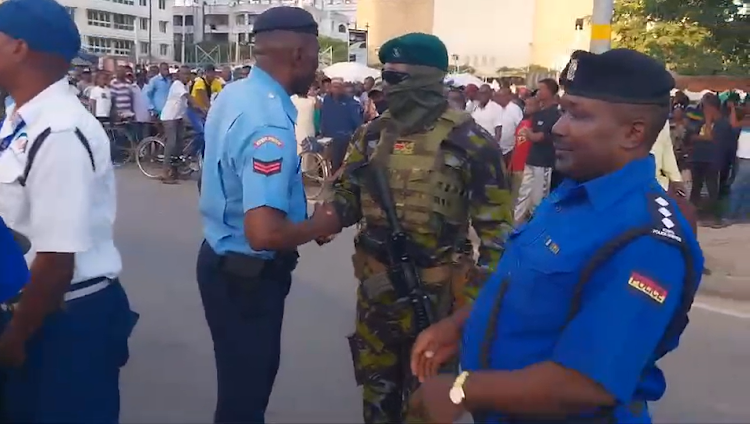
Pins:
x,y
244,316
707,174
337,152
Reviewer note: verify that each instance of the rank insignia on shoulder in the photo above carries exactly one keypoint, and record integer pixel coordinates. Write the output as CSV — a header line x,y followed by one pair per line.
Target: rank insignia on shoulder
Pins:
x,y
403,148
648,287
552,246
267,167
268,139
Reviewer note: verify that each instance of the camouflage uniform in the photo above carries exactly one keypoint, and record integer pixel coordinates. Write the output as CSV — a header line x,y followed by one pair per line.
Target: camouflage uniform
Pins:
x,y
441,180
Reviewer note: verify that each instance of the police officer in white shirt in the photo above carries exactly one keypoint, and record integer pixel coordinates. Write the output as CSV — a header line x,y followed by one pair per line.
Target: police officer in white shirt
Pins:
x,y
64,339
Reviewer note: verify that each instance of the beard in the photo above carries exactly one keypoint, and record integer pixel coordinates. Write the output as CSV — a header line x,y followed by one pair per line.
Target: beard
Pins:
x,y
301,85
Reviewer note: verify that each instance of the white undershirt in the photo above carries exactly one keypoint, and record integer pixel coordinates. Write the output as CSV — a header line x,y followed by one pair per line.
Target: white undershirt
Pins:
x,y
743,144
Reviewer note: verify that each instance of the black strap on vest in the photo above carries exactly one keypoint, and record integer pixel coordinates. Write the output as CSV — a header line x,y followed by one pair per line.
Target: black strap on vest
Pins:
x,y
665,228
34,149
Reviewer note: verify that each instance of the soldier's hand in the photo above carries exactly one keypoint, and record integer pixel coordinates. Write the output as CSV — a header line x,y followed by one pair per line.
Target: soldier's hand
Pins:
x,y
325,220
434,347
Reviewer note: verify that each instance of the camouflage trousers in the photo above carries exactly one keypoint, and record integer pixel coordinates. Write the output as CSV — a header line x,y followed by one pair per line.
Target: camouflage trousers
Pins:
x,y
383,337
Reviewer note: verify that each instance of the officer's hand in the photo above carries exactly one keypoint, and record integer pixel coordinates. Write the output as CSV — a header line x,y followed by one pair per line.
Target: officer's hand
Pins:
x,y
324,240
325,220
431,402
679,188
434,347
12,351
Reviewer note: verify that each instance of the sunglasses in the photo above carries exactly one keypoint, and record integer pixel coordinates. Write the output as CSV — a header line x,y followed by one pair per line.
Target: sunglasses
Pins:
x,y
394,77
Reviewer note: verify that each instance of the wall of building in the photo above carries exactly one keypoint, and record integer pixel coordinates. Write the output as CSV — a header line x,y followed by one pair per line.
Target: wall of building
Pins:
x,y
555,36
387,19
121,28
486,34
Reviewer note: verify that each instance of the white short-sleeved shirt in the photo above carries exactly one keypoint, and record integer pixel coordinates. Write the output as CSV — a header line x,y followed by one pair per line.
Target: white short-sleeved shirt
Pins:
x,y
67,205
177,102
488,117
512,116
102,98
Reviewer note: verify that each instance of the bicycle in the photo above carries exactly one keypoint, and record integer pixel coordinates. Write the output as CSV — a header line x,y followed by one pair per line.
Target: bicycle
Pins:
x,y
150,156
122,142
317,170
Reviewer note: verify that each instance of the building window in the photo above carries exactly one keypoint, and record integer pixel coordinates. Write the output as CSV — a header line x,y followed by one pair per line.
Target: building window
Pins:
x,y
143,2
127,2
162,4
122,47
164,49
144,23
240,19
177,20
99,18
143,47
71,11
98,45
342,29
163,26
189,20
124,22
189,39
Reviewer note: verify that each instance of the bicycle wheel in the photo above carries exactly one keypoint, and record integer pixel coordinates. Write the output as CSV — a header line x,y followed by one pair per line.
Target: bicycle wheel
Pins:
x,y
150,157
315,173
123,146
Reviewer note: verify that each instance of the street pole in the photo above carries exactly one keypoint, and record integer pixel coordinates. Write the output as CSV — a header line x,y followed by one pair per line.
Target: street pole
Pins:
x,y
601,26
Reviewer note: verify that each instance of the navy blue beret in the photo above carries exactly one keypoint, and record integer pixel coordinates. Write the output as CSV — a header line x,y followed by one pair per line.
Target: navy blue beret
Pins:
x,y
617,76
44,25
286,18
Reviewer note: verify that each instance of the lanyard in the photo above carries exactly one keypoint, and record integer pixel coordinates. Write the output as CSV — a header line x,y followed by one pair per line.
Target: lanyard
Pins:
x,y
5,143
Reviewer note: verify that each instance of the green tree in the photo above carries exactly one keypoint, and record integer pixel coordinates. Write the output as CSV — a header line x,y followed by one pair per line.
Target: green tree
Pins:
x,y
339,49
692,37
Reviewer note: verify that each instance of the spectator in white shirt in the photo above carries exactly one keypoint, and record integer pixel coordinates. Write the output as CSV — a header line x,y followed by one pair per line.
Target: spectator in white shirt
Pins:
x,y
488,114
172,117
140,106
512,115
471,92
100,97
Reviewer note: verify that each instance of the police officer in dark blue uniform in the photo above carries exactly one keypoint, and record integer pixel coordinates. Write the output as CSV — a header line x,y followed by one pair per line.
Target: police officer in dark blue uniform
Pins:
x,y
255,212
595,288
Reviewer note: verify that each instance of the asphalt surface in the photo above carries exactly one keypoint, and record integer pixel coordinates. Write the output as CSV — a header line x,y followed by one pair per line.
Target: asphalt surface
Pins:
x,y
170,377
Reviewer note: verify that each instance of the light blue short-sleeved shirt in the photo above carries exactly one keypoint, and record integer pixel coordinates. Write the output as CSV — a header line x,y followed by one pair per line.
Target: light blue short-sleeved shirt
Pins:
x,y
250,161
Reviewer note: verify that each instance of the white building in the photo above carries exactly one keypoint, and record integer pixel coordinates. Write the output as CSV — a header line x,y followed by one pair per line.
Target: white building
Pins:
x,y
345,7
139,30
229,21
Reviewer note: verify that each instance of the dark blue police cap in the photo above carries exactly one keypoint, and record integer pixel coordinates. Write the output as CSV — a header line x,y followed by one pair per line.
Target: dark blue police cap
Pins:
x,y
286,18
44,25
617,76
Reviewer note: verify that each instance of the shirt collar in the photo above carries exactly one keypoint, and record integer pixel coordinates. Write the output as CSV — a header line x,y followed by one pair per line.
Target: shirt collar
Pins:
x,y
606,190
30,111
275,89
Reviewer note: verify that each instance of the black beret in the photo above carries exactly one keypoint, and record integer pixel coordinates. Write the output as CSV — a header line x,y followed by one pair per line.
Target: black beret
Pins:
x,y
415,49
617,76
286,18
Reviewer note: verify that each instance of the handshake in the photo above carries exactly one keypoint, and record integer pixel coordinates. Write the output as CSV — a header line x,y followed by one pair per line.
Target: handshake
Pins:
x,y
326,223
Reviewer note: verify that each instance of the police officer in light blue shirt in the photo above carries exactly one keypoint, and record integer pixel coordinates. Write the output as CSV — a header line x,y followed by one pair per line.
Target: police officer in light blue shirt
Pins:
x,y
595,288
255,213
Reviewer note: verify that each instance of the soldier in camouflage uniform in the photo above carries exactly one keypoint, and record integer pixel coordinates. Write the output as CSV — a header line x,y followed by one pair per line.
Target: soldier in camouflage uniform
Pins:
x,y
444,172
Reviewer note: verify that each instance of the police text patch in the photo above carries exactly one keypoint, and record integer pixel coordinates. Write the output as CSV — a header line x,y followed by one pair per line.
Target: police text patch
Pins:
x,y
403,148
263,140
267,167
648,287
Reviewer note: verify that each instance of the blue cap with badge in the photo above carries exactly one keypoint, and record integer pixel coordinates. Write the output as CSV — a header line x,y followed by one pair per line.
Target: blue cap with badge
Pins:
x,y
44,25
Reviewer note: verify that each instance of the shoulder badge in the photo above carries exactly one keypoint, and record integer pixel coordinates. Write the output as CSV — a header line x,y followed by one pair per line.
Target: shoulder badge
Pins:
x,y
648,287
665,225
403,148
268,139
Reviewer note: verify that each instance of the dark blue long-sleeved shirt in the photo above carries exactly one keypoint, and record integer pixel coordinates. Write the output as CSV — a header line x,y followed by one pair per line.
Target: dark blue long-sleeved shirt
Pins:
x,y
340,117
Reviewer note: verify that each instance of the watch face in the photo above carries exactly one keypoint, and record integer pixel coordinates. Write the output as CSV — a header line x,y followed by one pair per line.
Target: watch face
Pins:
x,y
457,395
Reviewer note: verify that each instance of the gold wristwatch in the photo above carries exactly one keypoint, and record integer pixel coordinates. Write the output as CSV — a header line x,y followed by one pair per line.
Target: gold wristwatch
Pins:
x,y
456,393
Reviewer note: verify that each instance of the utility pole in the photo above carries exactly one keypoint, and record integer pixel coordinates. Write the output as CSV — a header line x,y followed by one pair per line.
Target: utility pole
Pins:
x,y
601,26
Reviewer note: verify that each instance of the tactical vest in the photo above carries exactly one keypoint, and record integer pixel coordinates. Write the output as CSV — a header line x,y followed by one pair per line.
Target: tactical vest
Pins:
x,y
428,193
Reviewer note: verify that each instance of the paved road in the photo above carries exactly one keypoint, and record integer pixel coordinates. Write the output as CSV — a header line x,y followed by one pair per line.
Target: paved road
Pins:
x,y
170,378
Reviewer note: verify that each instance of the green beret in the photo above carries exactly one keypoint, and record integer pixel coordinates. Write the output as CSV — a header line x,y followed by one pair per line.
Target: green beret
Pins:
x,y
415,49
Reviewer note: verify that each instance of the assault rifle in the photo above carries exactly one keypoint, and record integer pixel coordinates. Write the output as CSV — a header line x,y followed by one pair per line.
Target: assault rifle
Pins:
x,y
402,271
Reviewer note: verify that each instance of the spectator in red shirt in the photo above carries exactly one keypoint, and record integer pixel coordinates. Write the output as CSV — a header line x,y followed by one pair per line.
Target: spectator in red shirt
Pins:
x,y
521,150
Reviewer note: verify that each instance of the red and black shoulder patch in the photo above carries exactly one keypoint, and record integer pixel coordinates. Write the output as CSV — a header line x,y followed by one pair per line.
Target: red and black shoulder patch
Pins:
x,y
267,167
